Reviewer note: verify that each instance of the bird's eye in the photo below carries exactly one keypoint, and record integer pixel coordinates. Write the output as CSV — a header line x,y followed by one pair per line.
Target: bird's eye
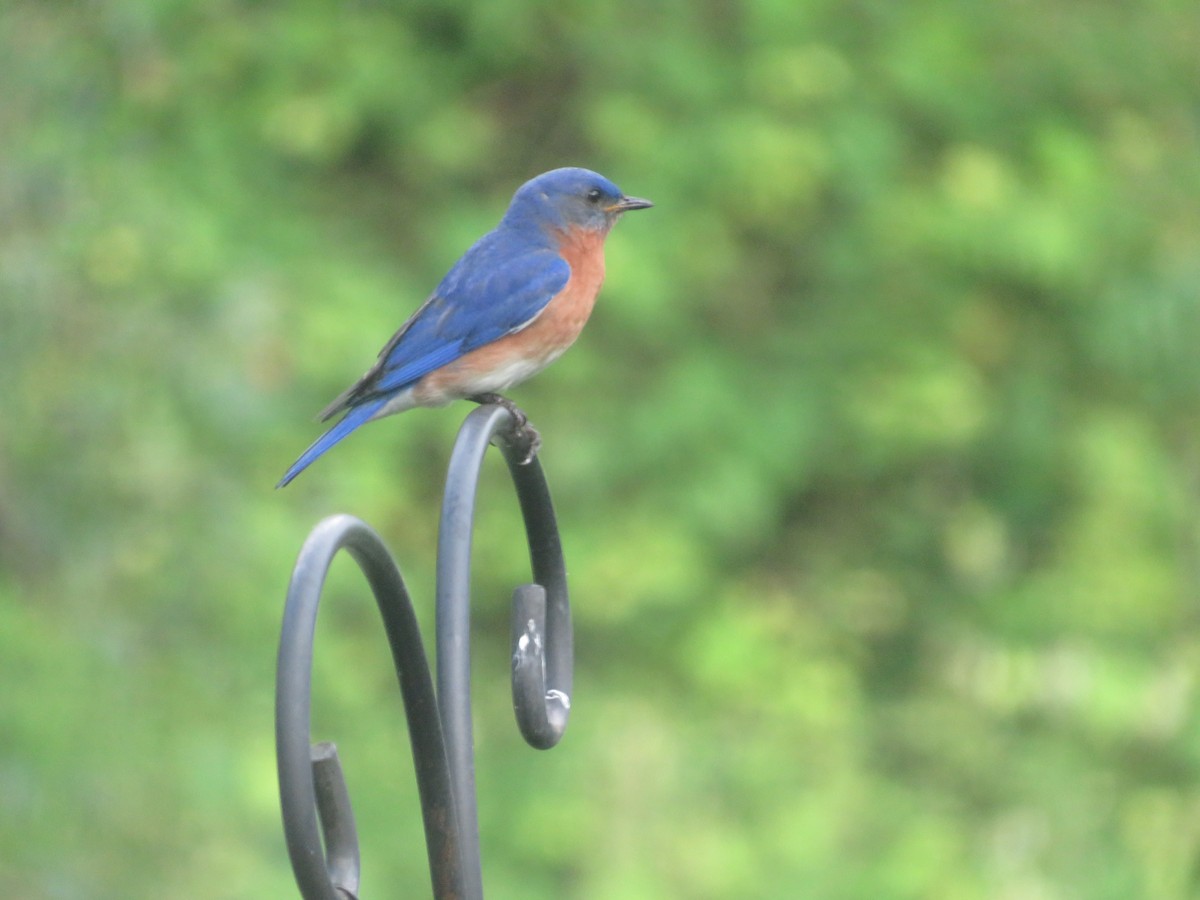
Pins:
x,y
594,195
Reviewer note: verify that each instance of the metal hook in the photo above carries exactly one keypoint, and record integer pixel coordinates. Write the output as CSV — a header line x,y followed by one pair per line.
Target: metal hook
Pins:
x,y
318,819
541,711
453,603
332,873
542,637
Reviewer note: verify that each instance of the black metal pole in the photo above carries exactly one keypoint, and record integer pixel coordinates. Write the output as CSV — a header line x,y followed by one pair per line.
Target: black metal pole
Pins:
x,y
454,623
314,868
542,678
318,820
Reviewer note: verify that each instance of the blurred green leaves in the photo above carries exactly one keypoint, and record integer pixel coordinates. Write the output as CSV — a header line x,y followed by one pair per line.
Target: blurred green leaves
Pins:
x,y
876,466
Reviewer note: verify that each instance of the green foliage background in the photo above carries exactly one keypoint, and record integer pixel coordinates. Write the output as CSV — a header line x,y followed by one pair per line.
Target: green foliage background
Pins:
x,y
878,465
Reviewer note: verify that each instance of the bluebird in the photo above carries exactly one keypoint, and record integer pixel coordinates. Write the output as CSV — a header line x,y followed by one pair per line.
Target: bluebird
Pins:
x,y
514,302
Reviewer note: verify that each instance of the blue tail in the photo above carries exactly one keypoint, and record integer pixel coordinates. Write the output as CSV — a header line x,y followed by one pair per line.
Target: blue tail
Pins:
x,y
357,416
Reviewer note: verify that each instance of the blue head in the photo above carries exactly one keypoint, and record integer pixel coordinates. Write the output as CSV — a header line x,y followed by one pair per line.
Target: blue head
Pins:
x,y
565,199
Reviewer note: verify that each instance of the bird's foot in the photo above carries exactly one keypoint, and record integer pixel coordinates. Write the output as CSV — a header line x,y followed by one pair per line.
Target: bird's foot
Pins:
x,y
520,420
523,438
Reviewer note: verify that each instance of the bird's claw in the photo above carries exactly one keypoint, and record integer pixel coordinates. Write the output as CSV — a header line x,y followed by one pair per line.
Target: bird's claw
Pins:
x,y
526,440
522,437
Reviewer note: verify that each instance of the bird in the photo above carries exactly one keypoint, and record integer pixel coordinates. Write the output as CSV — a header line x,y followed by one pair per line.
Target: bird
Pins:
x,y
510,306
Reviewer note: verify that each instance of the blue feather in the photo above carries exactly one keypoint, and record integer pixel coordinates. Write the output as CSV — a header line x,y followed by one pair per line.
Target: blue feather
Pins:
x,y
498,287
355,417
398,379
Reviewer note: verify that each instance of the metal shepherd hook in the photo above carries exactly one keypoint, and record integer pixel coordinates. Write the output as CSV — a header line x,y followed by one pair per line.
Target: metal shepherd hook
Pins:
x,y
317,818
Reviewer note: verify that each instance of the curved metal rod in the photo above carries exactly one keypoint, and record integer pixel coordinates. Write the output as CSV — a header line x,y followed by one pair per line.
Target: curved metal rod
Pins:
x,y
307,784
541,722
324,853
337,819
542,710
541,616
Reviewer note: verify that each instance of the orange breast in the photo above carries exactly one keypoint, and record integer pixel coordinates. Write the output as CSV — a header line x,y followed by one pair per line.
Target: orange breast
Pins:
x,y
564,317
515,357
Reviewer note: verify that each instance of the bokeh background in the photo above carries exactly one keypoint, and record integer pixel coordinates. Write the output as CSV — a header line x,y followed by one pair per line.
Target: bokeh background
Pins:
x,y
878,466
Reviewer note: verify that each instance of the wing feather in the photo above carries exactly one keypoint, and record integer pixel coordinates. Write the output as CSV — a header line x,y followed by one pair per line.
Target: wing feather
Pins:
x,y
495,289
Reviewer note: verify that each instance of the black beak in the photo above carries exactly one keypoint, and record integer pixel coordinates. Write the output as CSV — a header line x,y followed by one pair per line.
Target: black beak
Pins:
x,y
627,203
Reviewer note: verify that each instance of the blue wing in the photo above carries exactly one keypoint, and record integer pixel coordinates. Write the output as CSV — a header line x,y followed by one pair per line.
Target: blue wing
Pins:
x,y
498,287
492,291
